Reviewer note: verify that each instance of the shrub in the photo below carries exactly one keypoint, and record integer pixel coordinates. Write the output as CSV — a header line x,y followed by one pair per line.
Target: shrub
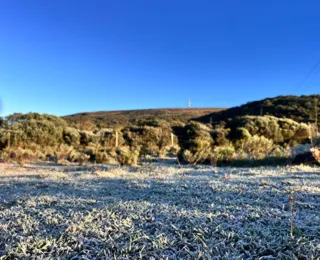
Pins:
x,y
107,138
258,146
104,157
154,137
127,155
242,135
43,130
220,136
71,136
280,130
222,154
196,137
87,138
196,143
201,156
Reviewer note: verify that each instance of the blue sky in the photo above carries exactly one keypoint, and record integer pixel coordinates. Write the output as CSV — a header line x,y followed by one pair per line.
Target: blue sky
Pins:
x,y
62,57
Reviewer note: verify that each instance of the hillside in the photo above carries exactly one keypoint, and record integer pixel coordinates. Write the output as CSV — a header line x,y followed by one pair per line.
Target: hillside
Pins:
x,y
298,108
125,117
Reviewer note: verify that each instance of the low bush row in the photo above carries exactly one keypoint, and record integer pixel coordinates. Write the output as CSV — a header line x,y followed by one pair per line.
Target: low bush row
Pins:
x,y
33,137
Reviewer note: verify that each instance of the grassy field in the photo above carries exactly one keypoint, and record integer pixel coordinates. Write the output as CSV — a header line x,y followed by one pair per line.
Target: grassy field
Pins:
x,y
159,211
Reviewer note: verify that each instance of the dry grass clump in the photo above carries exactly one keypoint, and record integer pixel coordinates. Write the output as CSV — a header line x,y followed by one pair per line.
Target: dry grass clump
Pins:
x,y
79,157
62,152
18,155
105,158
316,154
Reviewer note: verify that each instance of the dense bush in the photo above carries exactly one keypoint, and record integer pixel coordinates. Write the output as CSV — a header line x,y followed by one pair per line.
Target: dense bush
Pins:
x,y
128,155
258,146
196,143
43,130
222,154
280,130
154,137
107,138
71,136
248,137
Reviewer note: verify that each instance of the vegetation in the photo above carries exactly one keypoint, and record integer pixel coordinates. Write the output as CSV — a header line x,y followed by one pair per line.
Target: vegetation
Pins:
x,y
241,139
160,212
300,109
32,137
122,137
111,119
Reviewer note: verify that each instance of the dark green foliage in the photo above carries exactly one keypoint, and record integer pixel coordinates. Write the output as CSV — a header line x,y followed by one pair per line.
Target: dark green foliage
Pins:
x,y
86,138
248,137
152,136
195,142
44,130
220,136
195,136
280,130
71,136
300,109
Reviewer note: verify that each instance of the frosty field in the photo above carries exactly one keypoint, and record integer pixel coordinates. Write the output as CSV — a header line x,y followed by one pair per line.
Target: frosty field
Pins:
x,y
159,211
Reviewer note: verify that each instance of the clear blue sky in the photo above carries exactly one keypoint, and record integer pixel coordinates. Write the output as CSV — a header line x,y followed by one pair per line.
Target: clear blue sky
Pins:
x,y
68,56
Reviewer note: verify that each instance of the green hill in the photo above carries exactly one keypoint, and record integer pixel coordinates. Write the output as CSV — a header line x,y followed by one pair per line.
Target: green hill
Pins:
x,y
298,108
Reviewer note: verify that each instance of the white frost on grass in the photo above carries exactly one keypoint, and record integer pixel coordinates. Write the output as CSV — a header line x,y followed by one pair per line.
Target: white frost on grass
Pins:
x,y
159,211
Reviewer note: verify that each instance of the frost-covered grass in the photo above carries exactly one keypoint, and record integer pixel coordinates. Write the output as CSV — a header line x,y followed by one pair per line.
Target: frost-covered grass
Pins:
x,y
159,211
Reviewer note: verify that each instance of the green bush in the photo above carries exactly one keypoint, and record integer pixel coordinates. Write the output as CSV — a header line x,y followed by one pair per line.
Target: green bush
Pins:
x,y
71,136
280,130
220,136
196,143
107,138
127,155
258,146
43,130
222,154
201,156
87,138
154,137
